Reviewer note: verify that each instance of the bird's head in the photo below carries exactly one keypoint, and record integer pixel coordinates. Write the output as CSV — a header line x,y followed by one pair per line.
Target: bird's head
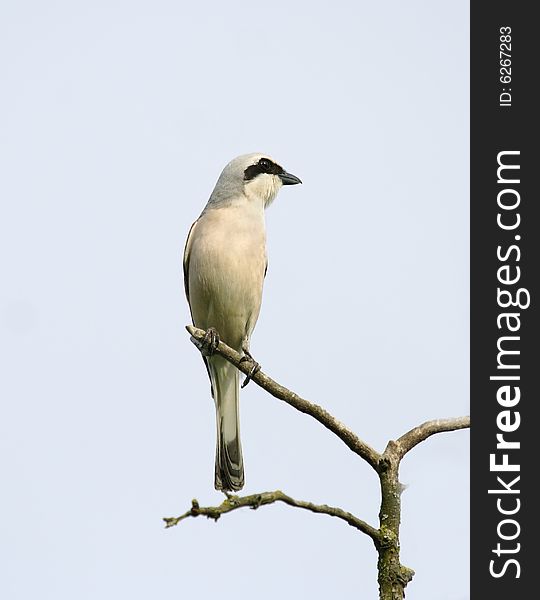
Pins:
x,y
254,176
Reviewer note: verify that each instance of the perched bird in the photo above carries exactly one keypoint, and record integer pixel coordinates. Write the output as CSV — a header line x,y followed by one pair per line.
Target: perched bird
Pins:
x,y
224,268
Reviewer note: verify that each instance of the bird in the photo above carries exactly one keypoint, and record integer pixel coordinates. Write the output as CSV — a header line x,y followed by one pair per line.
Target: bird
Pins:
x,y
224,264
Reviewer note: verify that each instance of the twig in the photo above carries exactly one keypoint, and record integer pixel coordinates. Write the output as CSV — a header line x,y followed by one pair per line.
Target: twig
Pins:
x,y
418,434
256,500
280,392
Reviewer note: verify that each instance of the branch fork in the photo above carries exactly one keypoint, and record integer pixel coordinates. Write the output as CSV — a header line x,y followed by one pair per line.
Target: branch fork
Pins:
x,y
393,576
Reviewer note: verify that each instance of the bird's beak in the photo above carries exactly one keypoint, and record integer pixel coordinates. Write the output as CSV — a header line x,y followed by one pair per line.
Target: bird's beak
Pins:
x,y
289,178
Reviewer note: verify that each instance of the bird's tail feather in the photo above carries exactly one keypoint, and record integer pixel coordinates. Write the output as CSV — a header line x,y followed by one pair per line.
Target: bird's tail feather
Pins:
x,y
229,475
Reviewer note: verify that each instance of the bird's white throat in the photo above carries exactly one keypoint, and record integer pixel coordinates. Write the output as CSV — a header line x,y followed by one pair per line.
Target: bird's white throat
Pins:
x,y
263,188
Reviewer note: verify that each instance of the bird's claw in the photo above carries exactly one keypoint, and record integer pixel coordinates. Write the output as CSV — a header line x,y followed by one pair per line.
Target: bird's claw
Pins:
x,y
210,342
254,369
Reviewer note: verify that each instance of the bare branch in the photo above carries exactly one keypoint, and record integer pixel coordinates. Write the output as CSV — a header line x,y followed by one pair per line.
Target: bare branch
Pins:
x,y
358,446
418,434
256,500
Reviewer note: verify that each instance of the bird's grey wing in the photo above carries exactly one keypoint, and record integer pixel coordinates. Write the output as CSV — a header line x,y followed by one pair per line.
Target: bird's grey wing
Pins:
x,y
187,253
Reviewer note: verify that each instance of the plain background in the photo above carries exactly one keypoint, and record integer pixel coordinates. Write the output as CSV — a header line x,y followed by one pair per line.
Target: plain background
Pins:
x,y
116,120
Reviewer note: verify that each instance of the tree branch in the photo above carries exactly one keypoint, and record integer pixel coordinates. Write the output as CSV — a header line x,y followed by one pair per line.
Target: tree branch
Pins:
x,y
256,500
393,577
418,434
280,392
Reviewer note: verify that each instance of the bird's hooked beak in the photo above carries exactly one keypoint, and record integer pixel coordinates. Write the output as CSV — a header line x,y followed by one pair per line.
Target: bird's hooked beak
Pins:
x,y
289,178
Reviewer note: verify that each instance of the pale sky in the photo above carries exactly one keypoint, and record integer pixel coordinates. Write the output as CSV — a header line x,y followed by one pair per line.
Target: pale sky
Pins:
x,y
116,119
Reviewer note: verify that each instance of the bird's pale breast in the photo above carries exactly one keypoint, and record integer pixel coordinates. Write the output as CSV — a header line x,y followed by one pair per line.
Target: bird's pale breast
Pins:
x,y
226,271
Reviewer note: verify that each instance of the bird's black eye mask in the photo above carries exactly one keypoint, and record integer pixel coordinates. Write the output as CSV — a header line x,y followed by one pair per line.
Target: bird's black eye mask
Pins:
x,y
265,165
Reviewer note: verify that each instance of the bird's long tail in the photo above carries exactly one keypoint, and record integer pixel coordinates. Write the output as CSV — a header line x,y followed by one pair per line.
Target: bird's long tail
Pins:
x,y
225,378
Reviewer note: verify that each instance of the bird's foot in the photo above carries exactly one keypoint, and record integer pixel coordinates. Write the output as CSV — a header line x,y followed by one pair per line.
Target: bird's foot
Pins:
x,y
210,342
247,354
254,369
